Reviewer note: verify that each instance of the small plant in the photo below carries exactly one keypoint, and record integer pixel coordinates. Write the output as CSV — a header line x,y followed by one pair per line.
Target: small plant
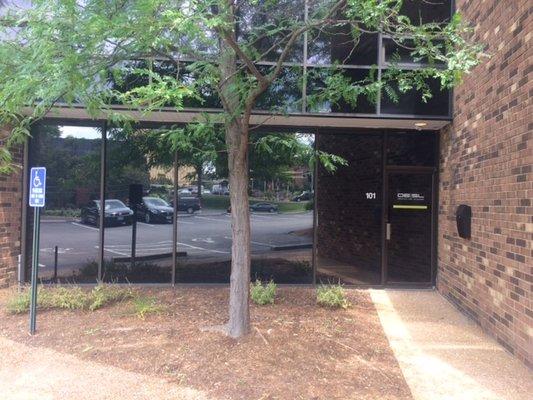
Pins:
x,y
263,294
332,296
144,305
70,298
19,303
105,294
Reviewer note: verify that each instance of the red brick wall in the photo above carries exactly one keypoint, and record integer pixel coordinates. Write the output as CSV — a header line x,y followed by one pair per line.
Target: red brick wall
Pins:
x,y
10,220
486,162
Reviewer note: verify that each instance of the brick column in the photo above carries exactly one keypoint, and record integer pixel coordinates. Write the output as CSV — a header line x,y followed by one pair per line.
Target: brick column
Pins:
x,y
10,218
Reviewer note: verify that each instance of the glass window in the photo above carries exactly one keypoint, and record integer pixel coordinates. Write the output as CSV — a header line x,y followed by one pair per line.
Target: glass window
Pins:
x,y
268,20
281,208
138,220
285,94
401,54
411,148
336,45
69,243
349,205
424,11
315,85
410,103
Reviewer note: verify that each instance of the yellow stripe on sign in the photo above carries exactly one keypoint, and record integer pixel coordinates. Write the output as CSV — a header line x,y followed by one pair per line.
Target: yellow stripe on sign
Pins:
x,y
408,207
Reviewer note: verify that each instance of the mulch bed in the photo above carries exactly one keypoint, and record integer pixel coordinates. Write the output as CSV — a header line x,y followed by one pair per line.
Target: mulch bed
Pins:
x,y
296,350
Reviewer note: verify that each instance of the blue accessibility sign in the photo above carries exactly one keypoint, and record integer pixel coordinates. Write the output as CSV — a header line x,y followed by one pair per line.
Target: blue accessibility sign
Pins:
x,y
37,187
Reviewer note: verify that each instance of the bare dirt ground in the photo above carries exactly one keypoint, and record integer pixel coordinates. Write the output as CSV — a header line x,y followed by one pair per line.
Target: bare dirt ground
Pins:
x,y
296,350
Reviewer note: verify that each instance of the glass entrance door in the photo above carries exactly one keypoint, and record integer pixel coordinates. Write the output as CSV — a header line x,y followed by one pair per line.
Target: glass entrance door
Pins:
x,y
408,227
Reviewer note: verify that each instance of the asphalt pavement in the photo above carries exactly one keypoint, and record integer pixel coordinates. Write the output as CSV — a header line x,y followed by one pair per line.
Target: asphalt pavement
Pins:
x,y
199,235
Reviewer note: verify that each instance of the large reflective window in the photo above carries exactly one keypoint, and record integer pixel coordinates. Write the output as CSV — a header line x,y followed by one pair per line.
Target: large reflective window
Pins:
x,y
411,103
284,94
267,21
281,207
316,83
349,206
281,214
204,224
138,217
337,45
424,11
68,247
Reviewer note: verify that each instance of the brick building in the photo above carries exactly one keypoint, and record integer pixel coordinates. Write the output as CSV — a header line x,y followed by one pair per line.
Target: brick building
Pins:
x,y
389,217
486,158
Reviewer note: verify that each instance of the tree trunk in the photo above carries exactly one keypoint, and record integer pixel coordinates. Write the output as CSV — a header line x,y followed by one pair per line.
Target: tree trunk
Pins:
x,y
239,315
237,146
199,175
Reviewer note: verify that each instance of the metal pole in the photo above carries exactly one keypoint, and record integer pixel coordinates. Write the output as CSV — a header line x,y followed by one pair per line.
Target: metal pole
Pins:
x,y
34,268
133,236
55,264
24,217
175,222
101,230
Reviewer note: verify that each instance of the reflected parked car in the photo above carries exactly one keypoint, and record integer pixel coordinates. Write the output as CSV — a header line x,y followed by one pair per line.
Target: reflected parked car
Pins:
x,y
115,213
304,196
261,207
155,209
264,207
190,204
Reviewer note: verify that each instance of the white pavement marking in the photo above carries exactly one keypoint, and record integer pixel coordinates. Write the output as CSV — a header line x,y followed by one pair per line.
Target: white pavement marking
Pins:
x,y
185,222
204,249
113,251
210,219
253,242
144,223
85,226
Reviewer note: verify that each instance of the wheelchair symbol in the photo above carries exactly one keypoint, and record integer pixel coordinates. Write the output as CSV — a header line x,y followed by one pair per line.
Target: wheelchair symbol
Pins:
x,y
37,181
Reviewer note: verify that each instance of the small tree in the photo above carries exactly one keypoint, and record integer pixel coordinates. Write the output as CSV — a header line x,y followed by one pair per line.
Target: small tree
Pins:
x,y
65,50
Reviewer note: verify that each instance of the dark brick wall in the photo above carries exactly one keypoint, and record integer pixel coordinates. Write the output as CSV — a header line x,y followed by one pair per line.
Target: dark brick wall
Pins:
x,y
10,220
486,162
349,224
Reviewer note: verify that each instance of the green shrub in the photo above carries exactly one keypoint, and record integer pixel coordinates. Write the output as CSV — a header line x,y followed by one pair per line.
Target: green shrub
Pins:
x,y
106,294
19,303
263,294
70,298
145,305
332,295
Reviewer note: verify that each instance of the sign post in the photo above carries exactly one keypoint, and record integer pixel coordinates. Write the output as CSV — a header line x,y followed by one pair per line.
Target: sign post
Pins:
x,y
37,194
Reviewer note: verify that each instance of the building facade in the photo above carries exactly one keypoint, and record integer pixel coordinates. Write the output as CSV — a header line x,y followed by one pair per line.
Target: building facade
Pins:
x,y
386,219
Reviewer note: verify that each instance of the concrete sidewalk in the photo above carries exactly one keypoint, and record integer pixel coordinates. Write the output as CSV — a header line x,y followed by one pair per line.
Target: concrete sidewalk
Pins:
x,y
28,373
443,354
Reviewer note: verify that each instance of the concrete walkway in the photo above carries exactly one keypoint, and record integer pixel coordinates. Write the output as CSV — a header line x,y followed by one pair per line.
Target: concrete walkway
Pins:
x,y
443,354
42,374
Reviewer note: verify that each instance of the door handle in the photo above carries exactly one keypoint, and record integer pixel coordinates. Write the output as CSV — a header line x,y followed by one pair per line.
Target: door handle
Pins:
x,y
388,231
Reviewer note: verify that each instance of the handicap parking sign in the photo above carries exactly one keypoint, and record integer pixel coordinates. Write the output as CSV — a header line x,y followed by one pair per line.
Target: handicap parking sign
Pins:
x,y
37,186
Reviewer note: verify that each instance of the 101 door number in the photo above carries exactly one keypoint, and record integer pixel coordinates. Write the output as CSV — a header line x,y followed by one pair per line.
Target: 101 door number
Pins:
x,y
371,195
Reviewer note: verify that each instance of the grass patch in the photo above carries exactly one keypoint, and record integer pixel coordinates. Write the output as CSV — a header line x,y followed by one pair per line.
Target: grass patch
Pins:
x,y
263,294
145,305
214,201
332,296
70,298
222,203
